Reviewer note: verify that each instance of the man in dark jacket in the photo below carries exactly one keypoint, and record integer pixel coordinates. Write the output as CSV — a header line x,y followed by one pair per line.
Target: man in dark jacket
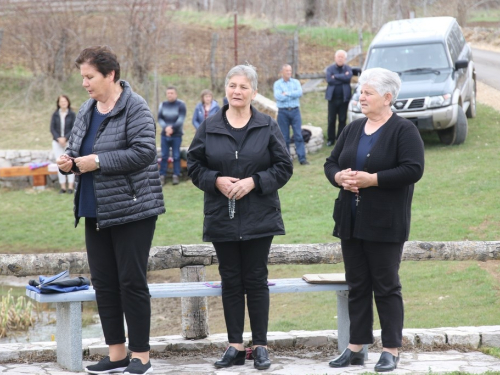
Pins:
x,y
171,116
338,94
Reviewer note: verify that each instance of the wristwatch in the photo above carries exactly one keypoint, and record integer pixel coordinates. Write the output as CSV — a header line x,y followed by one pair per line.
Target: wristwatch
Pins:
x,y
97,162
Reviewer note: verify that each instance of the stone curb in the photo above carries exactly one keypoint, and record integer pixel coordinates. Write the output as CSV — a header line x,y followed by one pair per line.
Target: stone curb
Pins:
x,y
472,337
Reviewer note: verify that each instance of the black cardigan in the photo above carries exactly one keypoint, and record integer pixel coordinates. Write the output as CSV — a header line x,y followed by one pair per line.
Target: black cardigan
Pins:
x,y
384,211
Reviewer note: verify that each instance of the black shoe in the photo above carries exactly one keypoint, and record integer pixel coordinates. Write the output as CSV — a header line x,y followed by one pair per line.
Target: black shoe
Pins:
x,y
62,191
387,362
261,358
136,367
348,358
329,144
70,191
105,366
232,356
304,162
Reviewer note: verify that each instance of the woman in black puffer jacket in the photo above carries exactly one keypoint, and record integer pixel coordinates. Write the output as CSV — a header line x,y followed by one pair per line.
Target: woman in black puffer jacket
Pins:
x,y
113,150
239,158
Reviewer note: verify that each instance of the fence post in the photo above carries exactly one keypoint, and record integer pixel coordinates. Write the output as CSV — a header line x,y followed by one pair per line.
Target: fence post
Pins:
x,y
194,309
360,36
213,70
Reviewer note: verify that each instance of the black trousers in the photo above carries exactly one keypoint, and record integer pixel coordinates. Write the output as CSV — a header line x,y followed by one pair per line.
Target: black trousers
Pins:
x,y
118,261
243,269
372,270
336,107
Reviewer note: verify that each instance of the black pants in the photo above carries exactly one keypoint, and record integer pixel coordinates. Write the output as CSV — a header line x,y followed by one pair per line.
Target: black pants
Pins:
x,y
372,270
336,107
243,269
118,261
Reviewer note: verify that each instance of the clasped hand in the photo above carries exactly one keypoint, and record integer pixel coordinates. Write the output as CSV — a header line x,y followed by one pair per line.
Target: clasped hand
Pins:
x,y
84,163
233,187
355,180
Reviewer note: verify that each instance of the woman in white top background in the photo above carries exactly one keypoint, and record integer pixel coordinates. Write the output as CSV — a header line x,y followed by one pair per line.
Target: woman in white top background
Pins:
x,y
61,125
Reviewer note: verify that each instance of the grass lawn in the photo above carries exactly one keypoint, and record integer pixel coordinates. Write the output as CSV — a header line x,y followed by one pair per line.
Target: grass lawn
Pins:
x,y
457,199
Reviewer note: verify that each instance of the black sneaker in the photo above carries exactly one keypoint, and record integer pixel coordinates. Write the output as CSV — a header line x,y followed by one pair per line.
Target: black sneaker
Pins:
x,y
105,366
136,367
304,162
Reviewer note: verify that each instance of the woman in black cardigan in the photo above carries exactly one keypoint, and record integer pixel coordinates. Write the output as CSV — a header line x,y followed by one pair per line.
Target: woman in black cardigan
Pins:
x,y
375,163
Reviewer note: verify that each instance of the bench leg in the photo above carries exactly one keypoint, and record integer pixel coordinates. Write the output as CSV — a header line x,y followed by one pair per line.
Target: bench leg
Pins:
x,y
344,323
69,335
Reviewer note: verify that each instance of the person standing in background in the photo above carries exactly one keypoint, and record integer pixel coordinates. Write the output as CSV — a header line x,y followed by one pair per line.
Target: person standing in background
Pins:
x,y
206,107
338,93
61,125
287,91
171,115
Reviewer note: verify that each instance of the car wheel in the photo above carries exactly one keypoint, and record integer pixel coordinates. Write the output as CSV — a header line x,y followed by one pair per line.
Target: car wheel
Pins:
x,y
456,134
471,111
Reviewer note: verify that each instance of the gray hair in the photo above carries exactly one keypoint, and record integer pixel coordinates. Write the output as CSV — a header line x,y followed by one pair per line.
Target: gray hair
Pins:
x,y
341,51
382,80
243,70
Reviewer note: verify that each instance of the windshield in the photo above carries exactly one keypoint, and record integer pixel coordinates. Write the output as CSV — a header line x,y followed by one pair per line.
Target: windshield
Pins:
x,y
403,58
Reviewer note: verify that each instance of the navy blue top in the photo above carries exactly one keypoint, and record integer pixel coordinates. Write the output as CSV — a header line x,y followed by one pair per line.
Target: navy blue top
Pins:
x,y
365,145
87,202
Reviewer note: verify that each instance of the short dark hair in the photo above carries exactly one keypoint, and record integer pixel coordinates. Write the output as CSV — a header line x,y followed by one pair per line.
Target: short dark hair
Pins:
x,y
102,58
171,88
65,97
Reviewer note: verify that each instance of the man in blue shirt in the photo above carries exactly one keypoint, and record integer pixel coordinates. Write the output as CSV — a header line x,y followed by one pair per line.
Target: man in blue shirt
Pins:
x,y
338,94
287,91
171,115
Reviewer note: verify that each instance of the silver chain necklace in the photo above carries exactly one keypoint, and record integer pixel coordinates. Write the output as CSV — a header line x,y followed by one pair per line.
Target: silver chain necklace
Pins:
x,y
232,207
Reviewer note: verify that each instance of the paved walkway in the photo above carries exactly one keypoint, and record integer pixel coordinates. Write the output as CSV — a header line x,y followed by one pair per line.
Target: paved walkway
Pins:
x,y
310,356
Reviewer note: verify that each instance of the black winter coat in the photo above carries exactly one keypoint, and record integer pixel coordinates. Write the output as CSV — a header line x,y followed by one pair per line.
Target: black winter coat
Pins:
x,y
384,211
55,124
127,185
263,152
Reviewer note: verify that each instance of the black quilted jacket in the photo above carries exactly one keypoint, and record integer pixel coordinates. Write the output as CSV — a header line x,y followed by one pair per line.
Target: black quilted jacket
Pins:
x,y
127,185
263,153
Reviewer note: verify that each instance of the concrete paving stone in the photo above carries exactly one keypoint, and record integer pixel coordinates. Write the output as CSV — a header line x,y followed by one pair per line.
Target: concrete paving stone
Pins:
x,y
310,338
463,338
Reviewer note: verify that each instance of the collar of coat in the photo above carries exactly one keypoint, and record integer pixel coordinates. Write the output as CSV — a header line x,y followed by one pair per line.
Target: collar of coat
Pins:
x,y
215,123
120,104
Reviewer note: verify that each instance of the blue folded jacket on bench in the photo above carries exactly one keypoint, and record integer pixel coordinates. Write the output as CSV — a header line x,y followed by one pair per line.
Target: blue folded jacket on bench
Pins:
x,y
60,283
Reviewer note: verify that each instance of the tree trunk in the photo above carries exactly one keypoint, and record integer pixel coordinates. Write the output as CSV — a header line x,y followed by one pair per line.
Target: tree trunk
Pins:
x,y
178,256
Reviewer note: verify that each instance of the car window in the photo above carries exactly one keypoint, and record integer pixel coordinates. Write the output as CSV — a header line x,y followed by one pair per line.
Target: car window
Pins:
x,y
401,58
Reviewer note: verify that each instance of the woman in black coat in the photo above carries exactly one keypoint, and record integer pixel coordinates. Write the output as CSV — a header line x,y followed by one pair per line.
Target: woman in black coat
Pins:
x,y
375,163
61,124
239,158
112,149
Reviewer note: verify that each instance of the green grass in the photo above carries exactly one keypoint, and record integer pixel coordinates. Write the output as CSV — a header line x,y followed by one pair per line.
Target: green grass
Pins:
x,y
457,199
328,36
484,15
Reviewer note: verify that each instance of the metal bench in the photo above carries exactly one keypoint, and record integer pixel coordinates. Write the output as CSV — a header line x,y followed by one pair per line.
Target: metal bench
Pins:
x,y
69,310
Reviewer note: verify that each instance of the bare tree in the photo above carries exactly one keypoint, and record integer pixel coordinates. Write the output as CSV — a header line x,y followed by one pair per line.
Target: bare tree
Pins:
x,y
45,37
310,11
147,22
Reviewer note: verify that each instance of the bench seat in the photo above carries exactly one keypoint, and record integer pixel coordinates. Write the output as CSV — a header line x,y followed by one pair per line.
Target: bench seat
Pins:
x,y
38,174
69,319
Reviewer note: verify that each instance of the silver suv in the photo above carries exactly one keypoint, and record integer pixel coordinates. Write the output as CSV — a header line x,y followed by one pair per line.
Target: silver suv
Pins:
x,y
438,90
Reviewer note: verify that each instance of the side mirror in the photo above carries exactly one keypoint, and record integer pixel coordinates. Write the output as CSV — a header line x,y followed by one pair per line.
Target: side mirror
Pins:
x,y
461,64
356,71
